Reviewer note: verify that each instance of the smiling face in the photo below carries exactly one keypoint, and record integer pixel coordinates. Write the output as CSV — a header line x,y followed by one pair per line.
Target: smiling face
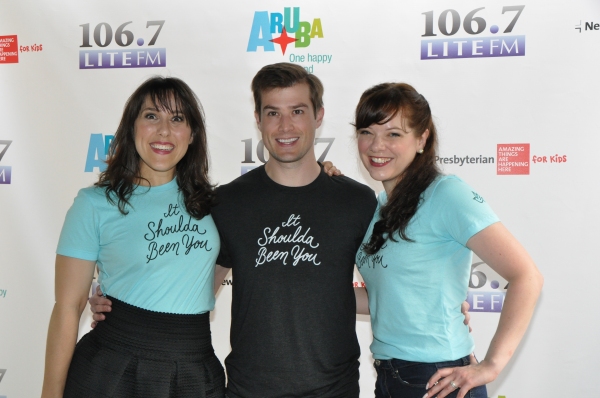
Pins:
x,y
386,150
288,123
161,140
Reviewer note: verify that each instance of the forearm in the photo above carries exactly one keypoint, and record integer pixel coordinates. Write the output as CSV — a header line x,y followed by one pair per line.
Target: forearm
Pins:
x,y
62,337
519,303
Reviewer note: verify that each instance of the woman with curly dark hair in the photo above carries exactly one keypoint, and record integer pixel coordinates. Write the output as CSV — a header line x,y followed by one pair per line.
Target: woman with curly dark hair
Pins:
x,y
416,258
146,225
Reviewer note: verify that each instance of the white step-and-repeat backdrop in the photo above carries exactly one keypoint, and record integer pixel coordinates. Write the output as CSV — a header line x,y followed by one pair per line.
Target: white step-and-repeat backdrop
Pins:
x,y
513,86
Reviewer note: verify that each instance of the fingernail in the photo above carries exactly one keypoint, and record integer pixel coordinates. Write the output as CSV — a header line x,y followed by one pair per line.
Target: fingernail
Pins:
x,y
425,396
427,387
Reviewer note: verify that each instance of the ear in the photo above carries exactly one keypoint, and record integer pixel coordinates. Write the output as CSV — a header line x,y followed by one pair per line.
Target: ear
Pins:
x,y
191,139
423,139
257,118
319,116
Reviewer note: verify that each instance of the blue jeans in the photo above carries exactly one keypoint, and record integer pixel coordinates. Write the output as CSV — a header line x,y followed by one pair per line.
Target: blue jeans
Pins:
x,y
404,379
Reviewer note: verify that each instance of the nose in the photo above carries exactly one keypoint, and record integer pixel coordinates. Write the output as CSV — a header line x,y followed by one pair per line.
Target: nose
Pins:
x,y
377,143
285,123
164,128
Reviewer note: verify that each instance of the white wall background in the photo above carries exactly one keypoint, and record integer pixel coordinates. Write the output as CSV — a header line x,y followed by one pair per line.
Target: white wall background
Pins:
x,y
547,98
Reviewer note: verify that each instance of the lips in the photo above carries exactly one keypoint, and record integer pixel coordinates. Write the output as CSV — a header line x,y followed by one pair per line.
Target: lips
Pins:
x,y
287,141
162,147
379,162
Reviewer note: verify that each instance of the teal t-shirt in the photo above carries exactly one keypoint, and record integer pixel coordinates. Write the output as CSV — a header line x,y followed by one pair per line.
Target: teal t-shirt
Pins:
x,y
416,288
157,257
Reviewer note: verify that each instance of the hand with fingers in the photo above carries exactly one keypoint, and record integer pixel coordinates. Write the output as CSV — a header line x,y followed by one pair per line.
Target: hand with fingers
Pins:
x,y
464,308
99,305
445,381
331,170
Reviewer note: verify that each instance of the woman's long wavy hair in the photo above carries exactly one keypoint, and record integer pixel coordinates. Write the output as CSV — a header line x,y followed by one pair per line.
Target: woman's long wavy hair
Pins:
x,y
378,105
122,175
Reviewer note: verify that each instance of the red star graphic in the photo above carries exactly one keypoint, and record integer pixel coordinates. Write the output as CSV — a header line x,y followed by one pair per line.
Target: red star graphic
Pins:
x,y
283,40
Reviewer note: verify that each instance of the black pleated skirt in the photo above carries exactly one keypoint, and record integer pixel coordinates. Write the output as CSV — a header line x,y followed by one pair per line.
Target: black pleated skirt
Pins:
x,y
140,353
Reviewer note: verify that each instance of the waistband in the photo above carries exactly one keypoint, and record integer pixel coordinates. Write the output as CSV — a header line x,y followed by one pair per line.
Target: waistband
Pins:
x,y
159,334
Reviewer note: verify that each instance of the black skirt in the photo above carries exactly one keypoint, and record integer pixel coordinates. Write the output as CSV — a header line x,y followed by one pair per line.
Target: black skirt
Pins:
x,y
140,353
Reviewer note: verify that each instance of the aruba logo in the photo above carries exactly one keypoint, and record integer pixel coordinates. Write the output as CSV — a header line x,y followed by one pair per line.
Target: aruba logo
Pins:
x,y
97,151
265,25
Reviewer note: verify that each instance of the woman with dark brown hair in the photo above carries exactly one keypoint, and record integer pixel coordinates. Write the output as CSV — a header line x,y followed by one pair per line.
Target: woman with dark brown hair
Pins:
x,y
416,258
146,225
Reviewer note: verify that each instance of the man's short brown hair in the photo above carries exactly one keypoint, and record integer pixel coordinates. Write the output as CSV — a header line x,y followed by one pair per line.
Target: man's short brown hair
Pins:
x,y
283,75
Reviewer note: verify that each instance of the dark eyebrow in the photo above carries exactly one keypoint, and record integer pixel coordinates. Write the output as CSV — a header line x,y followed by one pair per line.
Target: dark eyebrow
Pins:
x,y
300,105
295,106
150,108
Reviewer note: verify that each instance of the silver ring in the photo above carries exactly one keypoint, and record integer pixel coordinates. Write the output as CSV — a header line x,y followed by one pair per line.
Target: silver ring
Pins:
x,y
453,385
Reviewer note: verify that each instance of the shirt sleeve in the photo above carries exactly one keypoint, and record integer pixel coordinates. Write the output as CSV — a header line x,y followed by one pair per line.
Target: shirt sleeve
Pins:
x,y
79,237
223,259
461,210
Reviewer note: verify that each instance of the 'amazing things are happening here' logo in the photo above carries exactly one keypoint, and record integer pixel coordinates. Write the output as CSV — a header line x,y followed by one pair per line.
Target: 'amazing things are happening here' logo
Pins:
x,y
287,30
120,54
474,40
5,171
9,49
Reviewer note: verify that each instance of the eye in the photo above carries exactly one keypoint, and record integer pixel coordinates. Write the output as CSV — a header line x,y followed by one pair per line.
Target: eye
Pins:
x,y
298,111
178,118
395,135
150,115
271,113
364,132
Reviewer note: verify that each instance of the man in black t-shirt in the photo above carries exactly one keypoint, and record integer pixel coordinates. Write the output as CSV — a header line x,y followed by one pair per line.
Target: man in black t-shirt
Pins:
x,y
290,234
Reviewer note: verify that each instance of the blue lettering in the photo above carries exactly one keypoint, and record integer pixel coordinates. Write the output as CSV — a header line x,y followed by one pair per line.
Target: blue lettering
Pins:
x,y
96,156
288,26
276,22
261,33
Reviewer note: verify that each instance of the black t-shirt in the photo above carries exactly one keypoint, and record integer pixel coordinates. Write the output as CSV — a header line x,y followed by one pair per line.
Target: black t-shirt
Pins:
x,y
293,313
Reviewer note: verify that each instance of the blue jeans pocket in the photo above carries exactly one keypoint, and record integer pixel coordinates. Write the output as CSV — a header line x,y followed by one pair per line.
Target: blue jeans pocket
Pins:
x,y
397,378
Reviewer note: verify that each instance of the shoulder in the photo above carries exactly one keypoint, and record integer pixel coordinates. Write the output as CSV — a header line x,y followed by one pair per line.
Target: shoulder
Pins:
x,y
448,187
346,191
452,196
244,181
92,194
349,185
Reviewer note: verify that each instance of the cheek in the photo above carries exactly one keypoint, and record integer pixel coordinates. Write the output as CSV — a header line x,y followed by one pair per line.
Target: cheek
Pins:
x,y
363,145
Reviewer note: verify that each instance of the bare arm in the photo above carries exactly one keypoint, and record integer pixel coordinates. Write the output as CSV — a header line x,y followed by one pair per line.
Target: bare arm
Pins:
x,y
73,278
220,274
504,254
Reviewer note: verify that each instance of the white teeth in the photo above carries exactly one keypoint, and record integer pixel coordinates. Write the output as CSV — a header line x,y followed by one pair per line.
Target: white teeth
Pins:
x,y
380,160
162,147
287,140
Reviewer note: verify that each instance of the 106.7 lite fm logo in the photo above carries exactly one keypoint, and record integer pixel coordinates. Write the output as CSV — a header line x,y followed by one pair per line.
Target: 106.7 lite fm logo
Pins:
x,y
487,289
473,41
249,163
5,171
102,47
